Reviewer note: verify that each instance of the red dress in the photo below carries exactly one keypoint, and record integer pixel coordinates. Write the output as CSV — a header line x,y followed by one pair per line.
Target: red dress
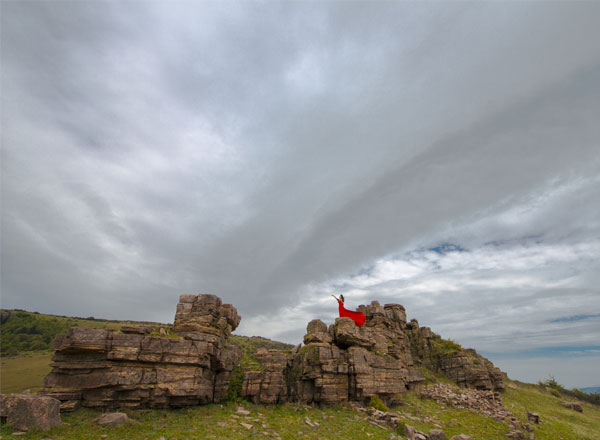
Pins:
x,y
358,317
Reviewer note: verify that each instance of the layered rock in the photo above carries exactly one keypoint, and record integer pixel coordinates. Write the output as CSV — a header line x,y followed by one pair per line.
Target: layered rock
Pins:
x,y
140,367
349,363
464,366
104,369
343,362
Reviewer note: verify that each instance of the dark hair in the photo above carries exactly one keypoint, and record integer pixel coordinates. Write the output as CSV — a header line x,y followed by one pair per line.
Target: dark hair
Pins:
x,y
342,298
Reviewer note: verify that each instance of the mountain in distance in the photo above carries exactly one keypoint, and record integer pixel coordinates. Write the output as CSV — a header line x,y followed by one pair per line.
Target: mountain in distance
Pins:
x,y
590,390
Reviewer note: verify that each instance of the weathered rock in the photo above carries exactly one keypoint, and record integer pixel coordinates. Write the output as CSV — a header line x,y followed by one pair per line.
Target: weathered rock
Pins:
x,y
111,419
351,363
23,411
316,331
410,432
533,417
487,403
136,369
437,434
137,329
103,369
573,405
465,367
461,437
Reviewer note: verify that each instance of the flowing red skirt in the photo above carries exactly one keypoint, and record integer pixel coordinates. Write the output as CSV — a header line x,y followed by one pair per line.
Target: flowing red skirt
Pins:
x,y
358,317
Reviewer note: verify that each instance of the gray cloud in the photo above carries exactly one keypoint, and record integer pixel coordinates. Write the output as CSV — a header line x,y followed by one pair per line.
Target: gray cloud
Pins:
x,y
269,153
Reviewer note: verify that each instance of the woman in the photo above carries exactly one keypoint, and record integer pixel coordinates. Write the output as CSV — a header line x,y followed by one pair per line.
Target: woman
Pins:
x,y
359,318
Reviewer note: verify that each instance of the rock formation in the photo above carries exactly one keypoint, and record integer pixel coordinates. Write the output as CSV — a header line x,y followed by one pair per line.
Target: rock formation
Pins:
x,y
104,369
140,367
349,363
465,367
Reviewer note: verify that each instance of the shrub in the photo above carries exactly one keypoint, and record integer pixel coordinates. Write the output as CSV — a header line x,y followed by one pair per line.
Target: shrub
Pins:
x,y
377,403
236,379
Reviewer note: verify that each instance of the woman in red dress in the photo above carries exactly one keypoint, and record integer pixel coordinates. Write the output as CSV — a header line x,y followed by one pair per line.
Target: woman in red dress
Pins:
x,y
358,317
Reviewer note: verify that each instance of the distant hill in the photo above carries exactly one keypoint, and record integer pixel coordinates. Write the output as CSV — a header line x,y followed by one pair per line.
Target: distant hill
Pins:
x,y
590,390
24,331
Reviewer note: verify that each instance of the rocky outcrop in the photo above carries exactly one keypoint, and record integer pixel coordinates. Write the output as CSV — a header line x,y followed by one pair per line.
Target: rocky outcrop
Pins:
x,y
340,363
344,362
25,412
464,366
141,367
104,369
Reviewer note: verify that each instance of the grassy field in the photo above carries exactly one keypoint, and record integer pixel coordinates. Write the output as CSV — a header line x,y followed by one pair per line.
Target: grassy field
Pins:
x,y
24,373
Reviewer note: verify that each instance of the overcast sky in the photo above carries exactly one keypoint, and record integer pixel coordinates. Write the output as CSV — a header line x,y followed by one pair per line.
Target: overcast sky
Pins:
x,y
444,156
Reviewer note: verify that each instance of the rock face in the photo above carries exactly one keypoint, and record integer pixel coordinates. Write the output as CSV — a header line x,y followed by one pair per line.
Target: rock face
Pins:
x,y
103,369
349,363
25,412
465,367
137,368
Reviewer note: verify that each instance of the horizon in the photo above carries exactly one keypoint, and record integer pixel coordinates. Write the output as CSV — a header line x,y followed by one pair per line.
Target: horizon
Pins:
x,y
443,156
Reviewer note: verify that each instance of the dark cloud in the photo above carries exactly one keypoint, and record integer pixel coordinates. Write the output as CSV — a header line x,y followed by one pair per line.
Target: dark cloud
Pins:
x,y
275,153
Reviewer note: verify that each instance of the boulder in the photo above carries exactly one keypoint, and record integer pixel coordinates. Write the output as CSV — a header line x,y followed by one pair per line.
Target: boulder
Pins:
x,y
137,329
576,406
347,334
533,417
111,419
461,437
25,412
410,432
437,434
316,331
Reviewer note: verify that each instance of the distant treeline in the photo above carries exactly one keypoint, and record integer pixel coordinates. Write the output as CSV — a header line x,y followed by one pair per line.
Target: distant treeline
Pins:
x,y
24,331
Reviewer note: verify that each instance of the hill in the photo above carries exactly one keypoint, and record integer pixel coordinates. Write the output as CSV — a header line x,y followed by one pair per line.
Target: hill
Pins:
x,y
24,331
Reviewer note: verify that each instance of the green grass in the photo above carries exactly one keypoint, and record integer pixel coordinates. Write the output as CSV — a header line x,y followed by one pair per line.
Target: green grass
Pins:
x,y
453,421
557,421
21,373
203,423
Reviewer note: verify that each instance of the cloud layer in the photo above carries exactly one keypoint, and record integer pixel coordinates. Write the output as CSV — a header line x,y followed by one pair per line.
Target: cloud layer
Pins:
x,y
444,156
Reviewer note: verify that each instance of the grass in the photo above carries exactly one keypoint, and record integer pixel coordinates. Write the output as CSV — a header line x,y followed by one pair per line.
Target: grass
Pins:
x,y
424,414
202,422
557,421
26,372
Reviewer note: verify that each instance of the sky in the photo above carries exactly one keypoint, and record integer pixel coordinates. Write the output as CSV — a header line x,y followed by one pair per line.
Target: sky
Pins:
x,y
440,155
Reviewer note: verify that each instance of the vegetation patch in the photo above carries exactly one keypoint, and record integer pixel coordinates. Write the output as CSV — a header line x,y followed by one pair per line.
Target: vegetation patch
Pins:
x,y
377,403
24,331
